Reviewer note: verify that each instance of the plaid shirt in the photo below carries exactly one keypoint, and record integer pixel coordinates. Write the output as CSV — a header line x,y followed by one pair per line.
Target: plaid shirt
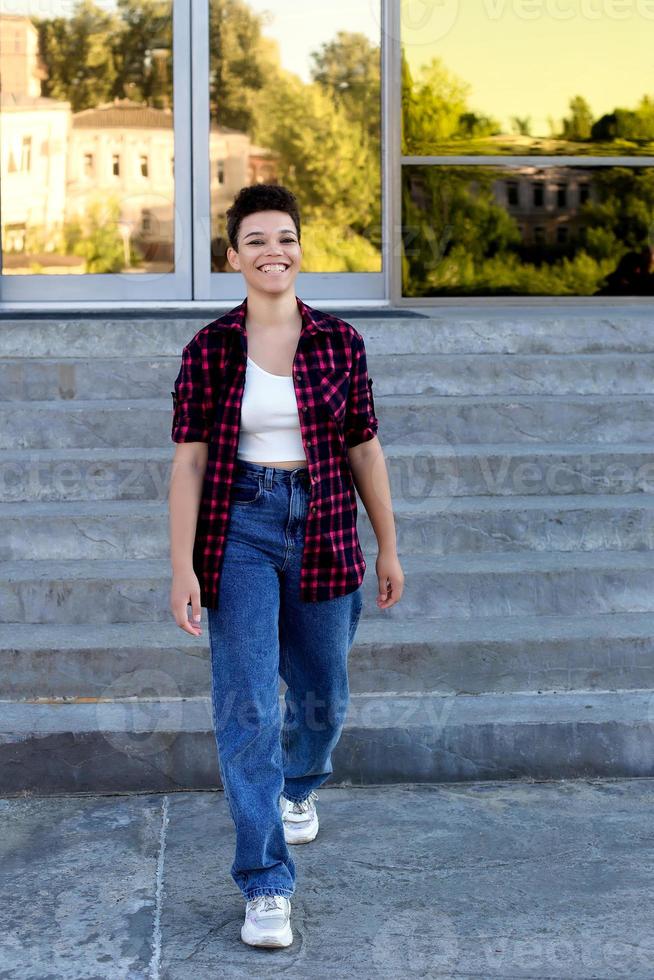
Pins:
x,y
336,411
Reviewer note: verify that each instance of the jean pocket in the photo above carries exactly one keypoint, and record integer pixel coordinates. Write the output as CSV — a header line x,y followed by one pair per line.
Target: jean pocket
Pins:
x,y
246,491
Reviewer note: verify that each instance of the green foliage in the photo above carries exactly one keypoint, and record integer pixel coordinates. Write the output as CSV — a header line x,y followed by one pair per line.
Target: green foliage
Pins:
x,y
328,249
458,241
97,237
578,126
437,121
77,58
96,55
326,135
321,153
623,216
432,105
239,62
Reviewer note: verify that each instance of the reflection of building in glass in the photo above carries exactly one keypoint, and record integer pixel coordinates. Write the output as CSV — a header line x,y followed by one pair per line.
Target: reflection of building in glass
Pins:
x,y
34,145
33,170
21,70
57,165
123,151
544,204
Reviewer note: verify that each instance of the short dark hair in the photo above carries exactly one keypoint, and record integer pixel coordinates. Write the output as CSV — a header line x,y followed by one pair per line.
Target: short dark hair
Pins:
x,y
260,197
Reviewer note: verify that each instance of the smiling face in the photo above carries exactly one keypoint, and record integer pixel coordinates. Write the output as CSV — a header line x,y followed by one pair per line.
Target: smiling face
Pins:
x,y
269,254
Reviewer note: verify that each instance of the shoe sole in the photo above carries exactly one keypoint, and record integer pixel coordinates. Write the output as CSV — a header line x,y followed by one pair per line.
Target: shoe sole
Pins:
x,y
275,940
301,840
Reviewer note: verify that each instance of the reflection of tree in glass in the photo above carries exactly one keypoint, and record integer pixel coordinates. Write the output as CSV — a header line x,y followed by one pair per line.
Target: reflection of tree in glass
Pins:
x,y
96,55
324,135
437,120
459,238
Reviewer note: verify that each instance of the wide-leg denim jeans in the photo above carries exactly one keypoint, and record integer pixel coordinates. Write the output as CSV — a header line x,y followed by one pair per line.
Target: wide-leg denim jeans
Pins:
x,y
261,629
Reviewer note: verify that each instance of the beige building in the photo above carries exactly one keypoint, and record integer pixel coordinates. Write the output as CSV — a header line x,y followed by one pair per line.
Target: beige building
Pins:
x,y
57,166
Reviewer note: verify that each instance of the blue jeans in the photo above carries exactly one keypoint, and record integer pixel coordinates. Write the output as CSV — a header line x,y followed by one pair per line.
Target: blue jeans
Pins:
x,y
262,628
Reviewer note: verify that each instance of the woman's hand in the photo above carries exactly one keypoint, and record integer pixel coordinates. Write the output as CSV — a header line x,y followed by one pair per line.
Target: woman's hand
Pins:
x,y
185,591
391,579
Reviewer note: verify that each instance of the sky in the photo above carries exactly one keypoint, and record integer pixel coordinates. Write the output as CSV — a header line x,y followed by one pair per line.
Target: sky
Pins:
x,y
299,27
520,57
529,58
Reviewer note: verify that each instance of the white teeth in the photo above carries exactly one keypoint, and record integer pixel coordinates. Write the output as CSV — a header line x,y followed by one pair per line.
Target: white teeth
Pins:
x,y
273,268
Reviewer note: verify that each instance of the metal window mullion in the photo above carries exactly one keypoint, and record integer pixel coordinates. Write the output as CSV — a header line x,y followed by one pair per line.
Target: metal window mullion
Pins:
x,y
200,166
392,21
527,161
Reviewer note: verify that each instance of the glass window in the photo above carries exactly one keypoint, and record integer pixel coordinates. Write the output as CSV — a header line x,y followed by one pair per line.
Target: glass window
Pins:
x,y
493,82
461,237
87,116
295,98
527,78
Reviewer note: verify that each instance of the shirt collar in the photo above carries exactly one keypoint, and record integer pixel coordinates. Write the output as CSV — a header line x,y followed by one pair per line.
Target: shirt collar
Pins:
x,y
312,320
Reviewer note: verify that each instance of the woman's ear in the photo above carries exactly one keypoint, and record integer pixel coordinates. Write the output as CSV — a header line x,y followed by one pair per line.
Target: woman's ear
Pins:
x,y
233,259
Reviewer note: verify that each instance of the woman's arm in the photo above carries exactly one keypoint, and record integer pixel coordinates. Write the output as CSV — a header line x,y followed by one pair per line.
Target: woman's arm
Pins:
x,y
370,476
193,410
185,492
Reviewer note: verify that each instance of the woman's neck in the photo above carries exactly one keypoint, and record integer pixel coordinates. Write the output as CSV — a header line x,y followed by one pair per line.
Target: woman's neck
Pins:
x,y
270,313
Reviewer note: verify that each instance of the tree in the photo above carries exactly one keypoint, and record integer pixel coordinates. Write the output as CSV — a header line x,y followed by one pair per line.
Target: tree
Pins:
x,y
77,58
521,125
142,53
348,69
238,63
579,124
321,152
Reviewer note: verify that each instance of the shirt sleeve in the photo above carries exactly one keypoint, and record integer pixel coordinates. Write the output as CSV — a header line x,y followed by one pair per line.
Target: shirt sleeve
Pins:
x,y
193,407
361,424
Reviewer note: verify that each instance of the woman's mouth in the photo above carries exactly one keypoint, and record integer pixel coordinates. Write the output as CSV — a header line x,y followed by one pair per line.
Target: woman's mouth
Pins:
x,y
273,268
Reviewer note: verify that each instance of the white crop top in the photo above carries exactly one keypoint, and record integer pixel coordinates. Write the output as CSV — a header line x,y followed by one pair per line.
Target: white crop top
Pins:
x,y
270,424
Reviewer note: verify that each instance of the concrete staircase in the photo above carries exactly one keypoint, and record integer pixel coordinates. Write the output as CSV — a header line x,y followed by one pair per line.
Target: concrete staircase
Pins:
x,y
519,444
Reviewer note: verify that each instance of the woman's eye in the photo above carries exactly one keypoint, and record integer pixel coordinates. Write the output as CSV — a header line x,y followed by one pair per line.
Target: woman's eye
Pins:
x,y
259,242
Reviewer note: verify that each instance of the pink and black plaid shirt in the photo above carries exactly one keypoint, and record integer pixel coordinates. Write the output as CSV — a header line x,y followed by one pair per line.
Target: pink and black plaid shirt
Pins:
x,y
336,411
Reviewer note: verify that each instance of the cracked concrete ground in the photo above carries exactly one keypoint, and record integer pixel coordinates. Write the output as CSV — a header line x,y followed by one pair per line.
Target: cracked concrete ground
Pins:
x,y
487,880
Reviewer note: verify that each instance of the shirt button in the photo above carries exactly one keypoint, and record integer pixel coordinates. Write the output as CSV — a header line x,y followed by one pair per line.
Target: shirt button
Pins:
x,y
313,509
309,443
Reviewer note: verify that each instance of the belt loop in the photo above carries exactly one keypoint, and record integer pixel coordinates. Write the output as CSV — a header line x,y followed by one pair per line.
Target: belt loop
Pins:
x,y
268,478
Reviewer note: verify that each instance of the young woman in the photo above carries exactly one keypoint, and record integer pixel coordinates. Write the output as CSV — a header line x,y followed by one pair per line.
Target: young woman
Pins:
x,y
275,422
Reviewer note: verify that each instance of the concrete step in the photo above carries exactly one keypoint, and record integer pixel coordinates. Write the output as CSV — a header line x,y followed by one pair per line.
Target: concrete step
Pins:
x,y
430,526
465,586
42,379
454,330
162,743
609,651
416,471
426,419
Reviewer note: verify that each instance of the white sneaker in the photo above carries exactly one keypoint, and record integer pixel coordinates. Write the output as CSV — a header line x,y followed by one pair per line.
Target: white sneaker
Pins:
x,y
267,921
300,819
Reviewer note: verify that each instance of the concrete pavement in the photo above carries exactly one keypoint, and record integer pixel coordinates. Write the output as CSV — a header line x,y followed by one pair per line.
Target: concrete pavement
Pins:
x,y
475,879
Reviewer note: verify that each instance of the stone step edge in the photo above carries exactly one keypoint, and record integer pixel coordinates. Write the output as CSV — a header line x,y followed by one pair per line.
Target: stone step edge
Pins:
x,y
444,450
126,507
410,631
24,719
389,401
108,569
